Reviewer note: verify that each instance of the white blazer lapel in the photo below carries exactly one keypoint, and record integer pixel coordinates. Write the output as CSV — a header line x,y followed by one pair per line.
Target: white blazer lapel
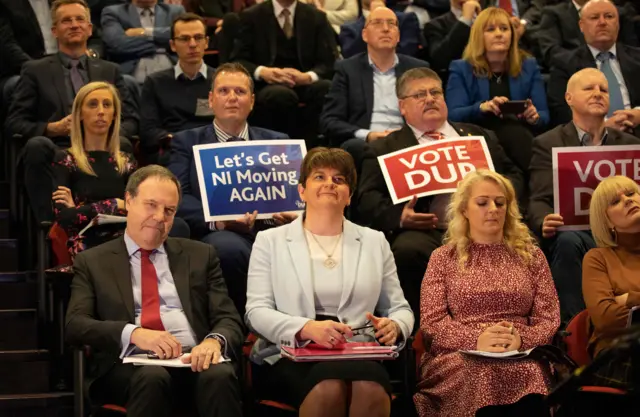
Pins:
x,y
351,251
299,251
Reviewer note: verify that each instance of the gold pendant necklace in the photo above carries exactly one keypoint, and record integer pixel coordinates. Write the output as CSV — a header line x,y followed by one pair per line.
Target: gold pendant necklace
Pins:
x,y
329,262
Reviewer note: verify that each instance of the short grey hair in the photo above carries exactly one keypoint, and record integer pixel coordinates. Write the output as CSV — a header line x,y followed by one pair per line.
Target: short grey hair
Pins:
x,y
155,171
414,74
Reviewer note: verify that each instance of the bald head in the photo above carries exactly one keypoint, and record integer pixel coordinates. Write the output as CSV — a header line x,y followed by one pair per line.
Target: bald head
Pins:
x,y
381,31
588,94
599,23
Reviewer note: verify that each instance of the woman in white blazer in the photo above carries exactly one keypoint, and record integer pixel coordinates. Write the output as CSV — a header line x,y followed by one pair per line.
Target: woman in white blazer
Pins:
x,y
315,279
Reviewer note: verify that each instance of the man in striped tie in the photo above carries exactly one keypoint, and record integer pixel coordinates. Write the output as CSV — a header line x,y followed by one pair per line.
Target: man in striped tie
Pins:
x,y
416,229
161,298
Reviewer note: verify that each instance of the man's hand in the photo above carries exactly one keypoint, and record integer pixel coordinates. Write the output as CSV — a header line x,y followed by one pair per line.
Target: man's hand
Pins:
x,y
373,136
387,330
241,225
204,355
470,9
60,128
284,218
620,120
162,343
632,115
622,299
299,78
550,225
418,221
134,32
277,76
518,27
218,26
63,196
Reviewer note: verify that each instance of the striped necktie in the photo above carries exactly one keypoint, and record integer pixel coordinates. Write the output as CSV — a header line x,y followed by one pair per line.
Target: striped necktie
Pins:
x,y
433,135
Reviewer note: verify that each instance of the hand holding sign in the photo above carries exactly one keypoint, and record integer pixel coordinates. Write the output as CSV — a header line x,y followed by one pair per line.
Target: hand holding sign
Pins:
x,y
284,218
241,225
550,225
419,221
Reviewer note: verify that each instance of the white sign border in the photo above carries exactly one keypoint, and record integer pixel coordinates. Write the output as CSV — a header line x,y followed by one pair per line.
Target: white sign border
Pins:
x,y
203,189
387,177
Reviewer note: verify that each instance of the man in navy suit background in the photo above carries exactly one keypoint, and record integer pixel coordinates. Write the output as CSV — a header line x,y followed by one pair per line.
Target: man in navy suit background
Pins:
x,y
136,36
231,99
350,37
361,105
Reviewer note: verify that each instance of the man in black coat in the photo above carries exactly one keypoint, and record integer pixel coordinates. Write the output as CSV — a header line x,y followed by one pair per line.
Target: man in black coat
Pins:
x,y
290,49
416,229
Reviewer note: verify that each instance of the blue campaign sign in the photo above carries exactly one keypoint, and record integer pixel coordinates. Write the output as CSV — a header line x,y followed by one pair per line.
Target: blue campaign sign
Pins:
x,y
240,177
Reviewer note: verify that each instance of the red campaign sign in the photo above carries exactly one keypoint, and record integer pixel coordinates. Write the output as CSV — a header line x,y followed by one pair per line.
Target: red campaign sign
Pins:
x,y
433,168
577,171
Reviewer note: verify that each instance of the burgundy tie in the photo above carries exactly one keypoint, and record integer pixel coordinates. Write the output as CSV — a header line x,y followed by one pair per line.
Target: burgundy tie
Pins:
x,y
506,6
433,135
150,315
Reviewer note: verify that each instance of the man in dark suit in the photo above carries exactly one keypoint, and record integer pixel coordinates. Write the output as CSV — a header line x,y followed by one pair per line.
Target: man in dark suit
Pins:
x,y
587,95
350,36
149,294
231,100
620,64
176,99
289,48
559,30
136,36
361,105
415,229
41,105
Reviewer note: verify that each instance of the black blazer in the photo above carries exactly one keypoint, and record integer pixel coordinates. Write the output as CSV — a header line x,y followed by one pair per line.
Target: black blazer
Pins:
x,y
102,298
541,172
256,44
564,66
445,37
41,96
374,201
20,36
349,103
559,31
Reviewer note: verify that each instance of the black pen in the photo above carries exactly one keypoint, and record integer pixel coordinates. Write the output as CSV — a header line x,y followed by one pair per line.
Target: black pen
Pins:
x,y
369,326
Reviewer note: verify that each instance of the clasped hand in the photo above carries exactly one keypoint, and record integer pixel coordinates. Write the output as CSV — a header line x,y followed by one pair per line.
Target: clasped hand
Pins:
x,y
329,333
499,338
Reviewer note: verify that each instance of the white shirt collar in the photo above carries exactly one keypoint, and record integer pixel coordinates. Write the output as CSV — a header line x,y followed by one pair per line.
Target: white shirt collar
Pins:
x,y
595,51
132,246
456,12
277,9
576,5
177,71
375,68
142,9
224,136
446,129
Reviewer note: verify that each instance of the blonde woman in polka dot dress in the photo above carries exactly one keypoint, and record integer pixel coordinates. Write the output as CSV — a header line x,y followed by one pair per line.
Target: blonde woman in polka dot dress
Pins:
x,y
488,288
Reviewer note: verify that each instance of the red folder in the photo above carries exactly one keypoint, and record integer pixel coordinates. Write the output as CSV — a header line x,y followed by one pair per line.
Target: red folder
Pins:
x,y
346,351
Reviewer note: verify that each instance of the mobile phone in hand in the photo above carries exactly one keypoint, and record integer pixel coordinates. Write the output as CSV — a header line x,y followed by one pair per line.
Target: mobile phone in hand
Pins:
x,y
513,107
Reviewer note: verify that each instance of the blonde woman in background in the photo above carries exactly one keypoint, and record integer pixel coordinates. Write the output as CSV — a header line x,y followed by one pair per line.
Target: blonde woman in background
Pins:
x,y
91,175
338,12
610,272
488,288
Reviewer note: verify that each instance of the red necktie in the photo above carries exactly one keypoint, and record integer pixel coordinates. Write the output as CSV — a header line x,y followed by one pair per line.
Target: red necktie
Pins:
x,y
150,315
506,6
433,135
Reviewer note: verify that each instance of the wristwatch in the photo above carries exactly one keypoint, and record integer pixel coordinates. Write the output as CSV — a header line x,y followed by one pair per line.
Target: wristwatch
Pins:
x,y
220,340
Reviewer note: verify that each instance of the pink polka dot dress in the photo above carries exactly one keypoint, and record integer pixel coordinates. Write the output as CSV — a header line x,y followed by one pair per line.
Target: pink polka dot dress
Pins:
x,y
456,306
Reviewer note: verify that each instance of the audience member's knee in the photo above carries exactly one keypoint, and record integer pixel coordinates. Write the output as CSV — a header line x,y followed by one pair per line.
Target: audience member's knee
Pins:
x,y
230,246
8,89
151,377
569,243
219,375
278,96
39,149
370,392
320,88
330,391
180,228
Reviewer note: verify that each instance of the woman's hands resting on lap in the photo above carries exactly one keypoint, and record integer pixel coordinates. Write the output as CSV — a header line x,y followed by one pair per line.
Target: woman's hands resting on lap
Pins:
x,y
387,330
326,333
499,338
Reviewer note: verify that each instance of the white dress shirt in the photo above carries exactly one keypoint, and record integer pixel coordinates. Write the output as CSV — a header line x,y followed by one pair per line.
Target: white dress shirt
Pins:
x,y
617,71
42,11
277,10
158,62
440,201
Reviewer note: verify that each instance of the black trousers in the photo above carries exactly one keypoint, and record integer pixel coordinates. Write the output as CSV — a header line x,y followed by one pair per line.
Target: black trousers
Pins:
x,y
154,391
277,108
38,155
412,250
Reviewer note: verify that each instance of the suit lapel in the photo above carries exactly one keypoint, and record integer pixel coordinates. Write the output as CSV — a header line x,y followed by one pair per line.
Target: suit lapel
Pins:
x,y
58,80
299,252
586,58
367,85
351,250
94,70
134,16
406,139
462,130
270,30
303,31
122,276
570,135
160,17
627,69
179,266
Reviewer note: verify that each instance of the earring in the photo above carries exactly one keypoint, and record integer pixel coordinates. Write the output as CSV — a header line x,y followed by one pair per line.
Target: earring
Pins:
x,y
614,234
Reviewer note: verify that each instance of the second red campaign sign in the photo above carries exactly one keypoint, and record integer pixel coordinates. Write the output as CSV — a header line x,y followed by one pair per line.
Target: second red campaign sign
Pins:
x,y
433,168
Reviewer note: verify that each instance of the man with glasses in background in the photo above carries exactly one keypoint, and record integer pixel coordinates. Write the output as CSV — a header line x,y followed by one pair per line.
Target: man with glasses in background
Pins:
x,y
361,105
415,229
177,98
